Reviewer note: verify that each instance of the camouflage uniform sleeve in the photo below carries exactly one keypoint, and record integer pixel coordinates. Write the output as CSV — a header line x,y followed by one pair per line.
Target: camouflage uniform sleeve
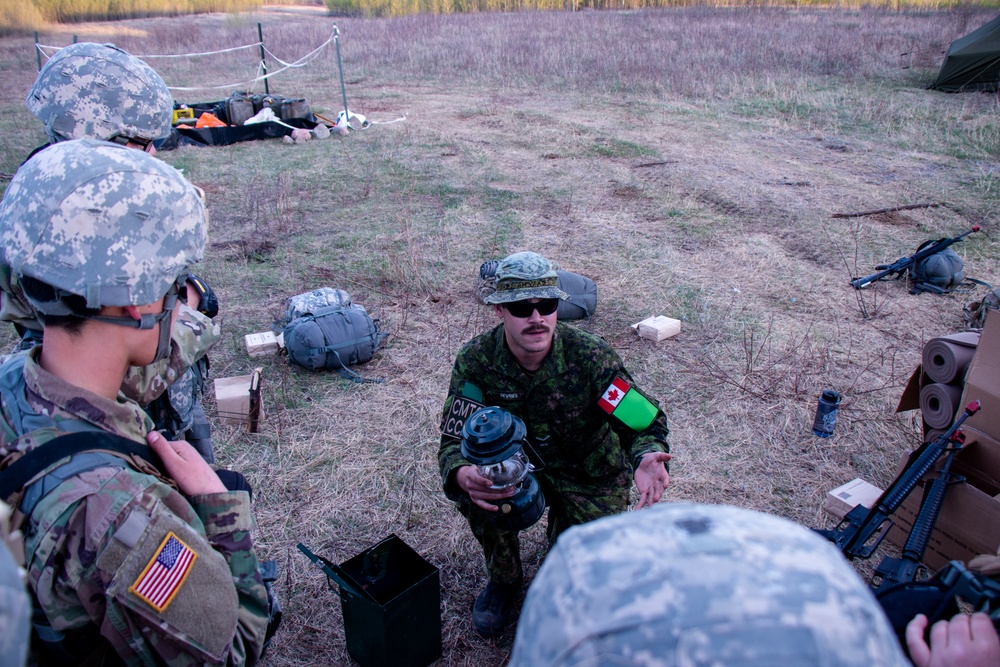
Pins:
x,y
167,581
634,444
228,521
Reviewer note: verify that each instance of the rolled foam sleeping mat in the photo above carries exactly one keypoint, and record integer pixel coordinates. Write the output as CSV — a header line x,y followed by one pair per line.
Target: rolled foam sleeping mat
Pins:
x,y
933,434
946,359
939,403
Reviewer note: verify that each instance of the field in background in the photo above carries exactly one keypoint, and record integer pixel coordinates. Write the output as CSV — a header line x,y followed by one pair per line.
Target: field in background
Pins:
x,y
688,160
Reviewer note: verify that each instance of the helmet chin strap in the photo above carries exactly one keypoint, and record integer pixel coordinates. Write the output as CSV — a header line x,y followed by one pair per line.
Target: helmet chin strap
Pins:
x,y
147,321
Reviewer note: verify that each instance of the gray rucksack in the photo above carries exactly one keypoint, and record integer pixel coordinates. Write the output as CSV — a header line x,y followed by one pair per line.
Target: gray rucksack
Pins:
x,y
314,301
333,337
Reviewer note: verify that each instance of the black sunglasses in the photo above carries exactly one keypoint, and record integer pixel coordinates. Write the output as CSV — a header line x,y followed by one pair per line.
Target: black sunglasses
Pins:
x,y
523,309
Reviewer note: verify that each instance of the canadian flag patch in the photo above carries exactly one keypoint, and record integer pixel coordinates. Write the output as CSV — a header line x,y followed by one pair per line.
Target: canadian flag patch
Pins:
x,y
613,395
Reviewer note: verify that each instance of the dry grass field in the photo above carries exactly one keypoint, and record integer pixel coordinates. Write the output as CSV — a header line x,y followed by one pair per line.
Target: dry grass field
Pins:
x,y
689,161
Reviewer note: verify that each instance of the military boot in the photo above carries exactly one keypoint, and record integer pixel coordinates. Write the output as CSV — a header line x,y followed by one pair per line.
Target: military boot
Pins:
x,y
492,609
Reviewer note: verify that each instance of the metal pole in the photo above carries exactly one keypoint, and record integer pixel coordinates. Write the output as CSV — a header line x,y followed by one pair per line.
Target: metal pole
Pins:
x,y
38,54
263,62
340,66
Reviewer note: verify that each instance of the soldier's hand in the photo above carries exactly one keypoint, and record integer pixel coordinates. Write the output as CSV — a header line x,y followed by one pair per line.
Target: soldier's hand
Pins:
x,y
186,466
964,641
651,478
479,488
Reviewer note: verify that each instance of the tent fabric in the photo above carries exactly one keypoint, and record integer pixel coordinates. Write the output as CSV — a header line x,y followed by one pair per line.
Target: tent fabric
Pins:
x,y
188,135
972,62
224,136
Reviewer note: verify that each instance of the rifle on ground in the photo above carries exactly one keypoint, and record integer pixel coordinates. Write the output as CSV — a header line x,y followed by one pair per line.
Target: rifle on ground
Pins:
x,y
904,264
863,529
895,571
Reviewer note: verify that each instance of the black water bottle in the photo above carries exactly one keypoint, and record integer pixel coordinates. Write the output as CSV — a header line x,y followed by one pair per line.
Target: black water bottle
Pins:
x,y
826,413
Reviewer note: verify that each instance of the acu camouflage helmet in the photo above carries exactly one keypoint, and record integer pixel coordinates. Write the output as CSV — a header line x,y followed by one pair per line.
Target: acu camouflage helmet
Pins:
x,y
98,220
525,275
98,91
684,584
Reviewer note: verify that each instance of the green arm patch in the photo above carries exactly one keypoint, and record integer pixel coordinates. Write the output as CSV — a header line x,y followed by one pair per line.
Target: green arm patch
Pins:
x,y
626,404
473,392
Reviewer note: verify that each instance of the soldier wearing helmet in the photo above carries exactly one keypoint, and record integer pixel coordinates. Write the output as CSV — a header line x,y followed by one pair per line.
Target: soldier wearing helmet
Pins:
x,y
686,584
147,564
590,428
98,91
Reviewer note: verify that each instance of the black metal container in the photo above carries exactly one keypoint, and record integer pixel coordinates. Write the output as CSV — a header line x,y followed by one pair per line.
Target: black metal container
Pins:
x,y
391,600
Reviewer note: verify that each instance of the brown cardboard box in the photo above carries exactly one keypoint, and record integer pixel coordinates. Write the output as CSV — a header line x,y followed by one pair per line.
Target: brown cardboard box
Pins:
x,y
232,396
910,400
846,497
982,380
969,522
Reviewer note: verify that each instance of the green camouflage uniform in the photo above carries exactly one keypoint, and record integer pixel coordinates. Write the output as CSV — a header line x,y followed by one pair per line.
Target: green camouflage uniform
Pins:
x,y
89,541
588,457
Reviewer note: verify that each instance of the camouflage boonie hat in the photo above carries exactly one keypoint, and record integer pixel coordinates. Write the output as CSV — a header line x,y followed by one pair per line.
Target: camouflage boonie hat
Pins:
x,y
525,275
686,584
102,221
98,91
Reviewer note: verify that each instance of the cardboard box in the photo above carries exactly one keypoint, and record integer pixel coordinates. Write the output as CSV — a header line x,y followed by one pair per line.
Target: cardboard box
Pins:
x,y
910,400
265,342
982,380
657,328
846,497
969,522
238,399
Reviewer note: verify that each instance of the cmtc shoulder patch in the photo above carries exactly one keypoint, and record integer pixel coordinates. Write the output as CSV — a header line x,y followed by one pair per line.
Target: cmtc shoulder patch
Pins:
x,y
626,404
468,400
165,573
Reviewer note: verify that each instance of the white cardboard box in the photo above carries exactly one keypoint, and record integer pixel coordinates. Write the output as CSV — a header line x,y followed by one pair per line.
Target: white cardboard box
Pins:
x,y
657,328
846,497
265,342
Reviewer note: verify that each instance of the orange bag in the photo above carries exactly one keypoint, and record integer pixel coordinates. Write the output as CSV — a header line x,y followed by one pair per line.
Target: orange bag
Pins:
x,y
209,120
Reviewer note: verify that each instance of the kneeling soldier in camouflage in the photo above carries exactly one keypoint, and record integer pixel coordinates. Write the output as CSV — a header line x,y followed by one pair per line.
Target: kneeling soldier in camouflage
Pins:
x,y
593,432
98,91
131,557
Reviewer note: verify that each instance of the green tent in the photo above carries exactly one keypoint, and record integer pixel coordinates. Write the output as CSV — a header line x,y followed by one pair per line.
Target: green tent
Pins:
x,y
972,62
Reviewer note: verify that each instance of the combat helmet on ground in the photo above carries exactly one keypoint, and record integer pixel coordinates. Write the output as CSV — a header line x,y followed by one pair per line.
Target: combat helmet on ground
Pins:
x,y
86,224
940,272
687,584
98,91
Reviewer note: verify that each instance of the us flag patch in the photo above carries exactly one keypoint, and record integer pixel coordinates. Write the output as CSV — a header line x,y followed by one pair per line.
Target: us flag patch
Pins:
x,y
165,572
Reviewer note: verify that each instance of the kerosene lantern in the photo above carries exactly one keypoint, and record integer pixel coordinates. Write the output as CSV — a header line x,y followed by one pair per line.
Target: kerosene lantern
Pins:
x,y
493,440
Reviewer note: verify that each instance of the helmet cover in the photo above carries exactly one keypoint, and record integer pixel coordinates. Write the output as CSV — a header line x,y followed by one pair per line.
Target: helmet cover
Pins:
x,y
98,91
686,584
101,221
